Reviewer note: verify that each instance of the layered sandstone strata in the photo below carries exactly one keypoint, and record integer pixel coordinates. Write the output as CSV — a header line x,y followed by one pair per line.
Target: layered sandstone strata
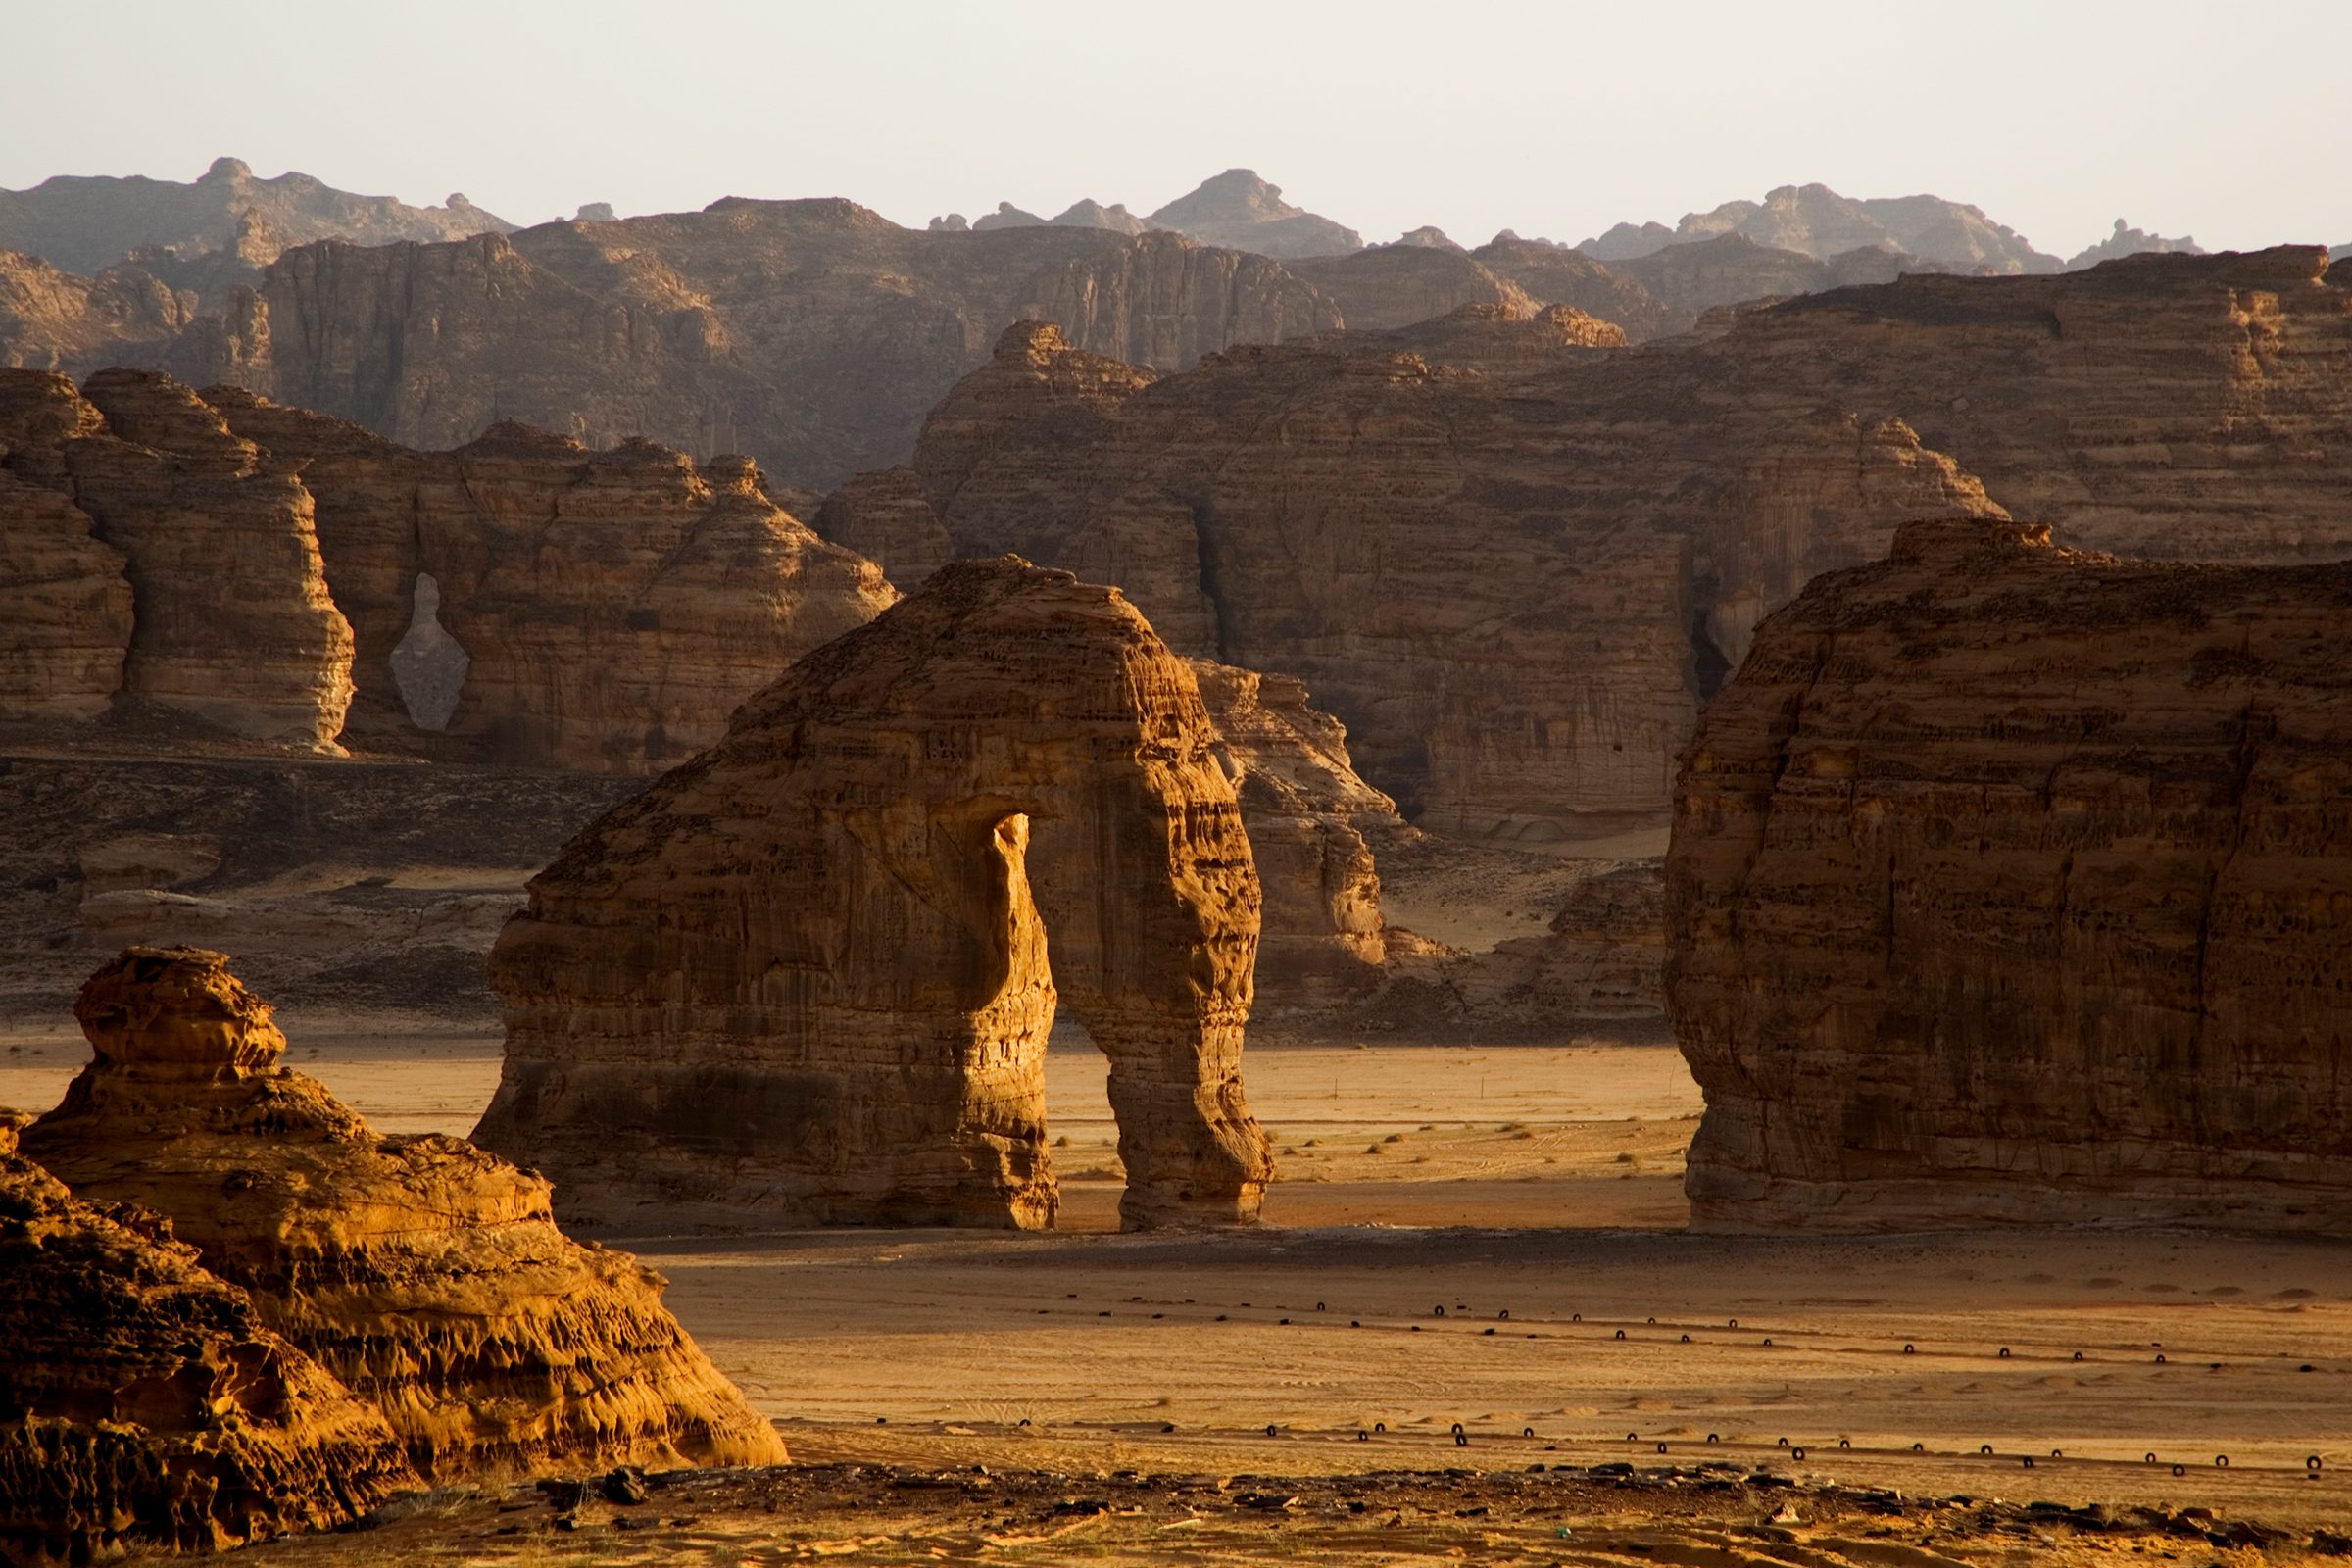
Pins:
x,y
424,1273
145,1406
806,973
1311,823
66,603
611,607
231,623
1514,570
812,334
2013,883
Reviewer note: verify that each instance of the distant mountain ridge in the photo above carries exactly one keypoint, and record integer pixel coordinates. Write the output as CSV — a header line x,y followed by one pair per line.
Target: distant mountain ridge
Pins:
x,y
1236,209
1817,222
82,222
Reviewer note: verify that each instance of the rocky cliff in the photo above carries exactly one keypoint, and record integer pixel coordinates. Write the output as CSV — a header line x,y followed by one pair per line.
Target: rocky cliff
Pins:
x,y
810,334
2130,241
1514,566
805,974
2013,883
609,608
1398,285
145,1406
231,621
1312,823
426,1274
83,223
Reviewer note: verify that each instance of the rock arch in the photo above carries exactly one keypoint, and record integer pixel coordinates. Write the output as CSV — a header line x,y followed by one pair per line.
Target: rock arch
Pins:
x,y
810,973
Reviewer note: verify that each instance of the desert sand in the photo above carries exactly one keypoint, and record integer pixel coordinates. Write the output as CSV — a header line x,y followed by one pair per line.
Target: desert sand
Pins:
x,y
1494,1236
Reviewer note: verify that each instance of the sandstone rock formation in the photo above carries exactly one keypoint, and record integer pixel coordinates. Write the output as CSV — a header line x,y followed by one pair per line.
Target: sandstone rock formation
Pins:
x,y
1239,210
145,1406
810,973
53,319
1814,220
1554,275
2130,241
1514,568
65,602
83,223
612,608
1396,285
812,336
1310,821
2012,883
230,618
424,1273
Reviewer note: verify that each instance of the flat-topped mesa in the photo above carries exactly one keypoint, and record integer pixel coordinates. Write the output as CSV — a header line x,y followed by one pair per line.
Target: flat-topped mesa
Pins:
x,y
230,622
2011,883
143,1403
601,611
424,1273
805,974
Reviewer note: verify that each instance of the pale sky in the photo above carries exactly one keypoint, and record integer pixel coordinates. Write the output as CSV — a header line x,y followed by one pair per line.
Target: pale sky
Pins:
x,y
2228,122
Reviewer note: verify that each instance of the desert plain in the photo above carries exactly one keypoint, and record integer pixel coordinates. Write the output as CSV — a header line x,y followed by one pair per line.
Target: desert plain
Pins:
x,y
1491,1236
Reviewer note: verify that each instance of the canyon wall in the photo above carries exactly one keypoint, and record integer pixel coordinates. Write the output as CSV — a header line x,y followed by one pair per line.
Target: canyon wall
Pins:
x,y
2013,883
1515,567
230,620
424,1273
145,1406
805,974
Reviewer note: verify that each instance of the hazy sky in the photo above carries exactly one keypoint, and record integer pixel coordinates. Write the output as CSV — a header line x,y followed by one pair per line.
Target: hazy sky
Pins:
x,y
2229,122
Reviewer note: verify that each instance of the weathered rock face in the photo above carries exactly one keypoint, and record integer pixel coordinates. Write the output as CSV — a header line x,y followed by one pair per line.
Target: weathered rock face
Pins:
x,y
611,607
2009,883
426,1274
230,618
53,319
1514,568
807,973
1308,817
1554,275
143,1405
1240,210
66,604
83,223
1398,285
812,336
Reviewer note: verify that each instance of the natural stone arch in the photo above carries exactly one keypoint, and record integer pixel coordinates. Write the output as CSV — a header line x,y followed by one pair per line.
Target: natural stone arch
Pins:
x,y
810,973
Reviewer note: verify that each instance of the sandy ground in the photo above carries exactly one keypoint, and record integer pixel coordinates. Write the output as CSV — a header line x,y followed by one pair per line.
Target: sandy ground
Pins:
x,y
1425,1194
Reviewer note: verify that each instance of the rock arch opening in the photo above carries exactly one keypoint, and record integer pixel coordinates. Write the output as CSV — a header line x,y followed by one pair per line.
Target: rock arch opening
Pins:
x,y
428,665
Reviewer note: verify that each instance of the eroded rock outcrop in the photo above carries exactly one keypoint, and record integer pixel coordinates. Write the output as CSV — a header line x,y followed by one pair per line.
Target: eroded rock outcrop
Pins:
x,y
424,1273
612,608
2129,241
2012,883
812,336
231,623
1515,568
1311,823
144,1405
806,973
1396,285
66,604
